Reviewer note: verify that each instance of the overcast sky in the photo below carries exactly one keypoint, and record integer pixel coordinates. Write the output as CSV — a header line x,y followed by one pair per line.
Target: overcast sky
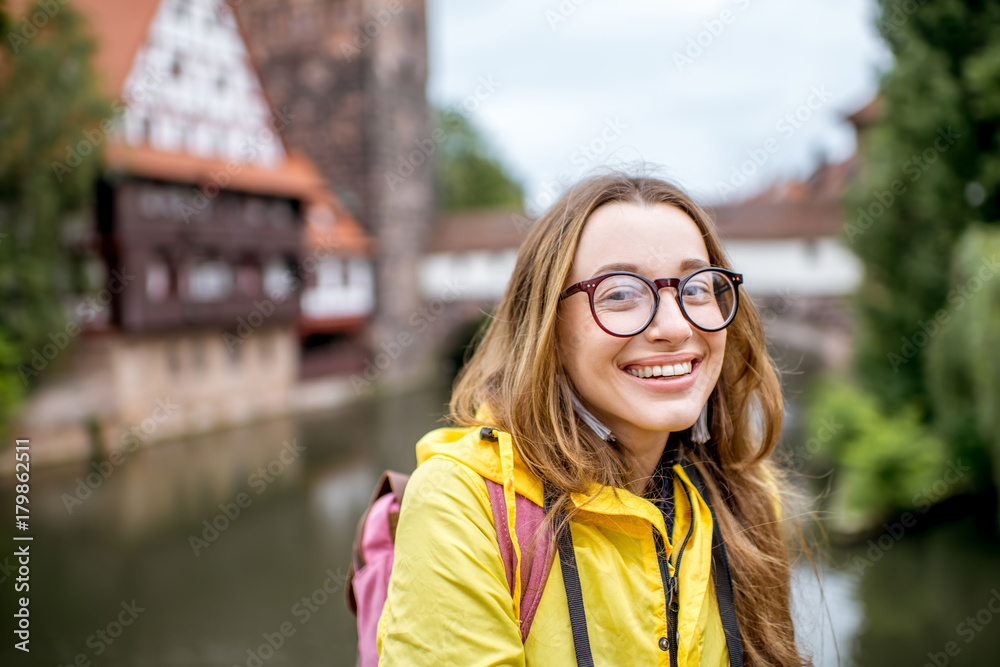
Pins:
x,y
696,88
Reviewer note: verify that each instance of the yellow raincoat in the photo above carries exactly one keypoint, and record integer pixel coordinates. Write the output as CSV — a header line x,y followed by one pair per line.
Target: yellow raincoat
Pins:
x,y
449,602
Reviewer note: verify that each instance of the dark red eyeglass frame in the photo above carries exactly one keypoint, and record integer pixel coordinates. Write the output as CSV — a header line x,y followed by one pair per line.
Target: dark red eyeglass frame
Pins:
x,y
589,286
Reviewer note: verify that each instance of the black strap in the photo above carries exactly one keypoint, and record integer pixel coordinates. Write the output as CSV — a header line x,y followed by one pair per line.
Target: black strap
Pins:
x,y
723,576
720,562
574,594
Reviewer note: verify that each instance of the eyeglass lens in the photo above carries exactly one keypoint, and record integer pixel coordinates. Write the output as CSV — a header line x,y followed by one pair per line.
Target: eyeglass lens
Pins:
x,y
624,304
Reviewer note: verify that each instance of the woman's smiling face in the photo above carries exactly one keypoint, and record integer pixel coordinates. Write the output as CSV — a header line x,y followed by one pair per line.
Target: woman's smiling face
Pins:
x,y
655,241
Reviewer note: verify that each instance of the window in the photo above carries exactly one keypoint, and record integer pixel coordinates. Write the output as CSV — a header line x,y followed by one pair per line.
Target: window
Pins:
x,y
330,273
152,202
360,273
157,280
180,204
248,279
254,212
278,279
229,206
210,281
280,213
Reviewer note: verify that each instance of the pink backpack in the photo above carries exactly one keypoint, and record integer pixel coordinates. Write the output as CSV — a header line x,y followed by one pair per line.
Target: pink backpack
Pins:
x,y
374,541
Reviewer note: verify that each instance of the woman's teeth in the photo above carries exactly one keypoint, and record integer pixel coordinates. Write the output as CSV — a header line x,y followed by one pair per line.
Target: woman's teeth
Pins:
x,y
661,371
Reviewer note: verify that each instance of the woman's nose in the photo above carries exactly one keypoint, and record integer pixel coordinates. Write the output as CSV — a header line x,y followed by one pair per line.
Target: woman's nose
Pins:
x,y
668,322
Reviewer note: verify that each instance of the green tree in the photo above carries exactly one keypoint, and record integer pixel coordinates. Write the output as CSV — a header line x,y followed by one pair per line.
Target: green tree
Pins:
x,y
923,218
884,462
931,168
48,97
467,173
962,362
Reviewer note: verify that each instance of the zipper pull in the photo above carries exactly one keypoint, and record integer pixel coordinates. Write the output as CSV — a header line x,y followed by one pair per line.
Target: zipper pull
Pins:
x,y
672,601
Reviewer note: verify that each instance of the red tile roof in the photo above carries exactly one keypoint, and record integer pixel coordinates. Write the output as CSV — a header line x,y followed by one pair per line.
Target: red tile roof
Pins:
x,y
790,209
867,114
120,28
296,178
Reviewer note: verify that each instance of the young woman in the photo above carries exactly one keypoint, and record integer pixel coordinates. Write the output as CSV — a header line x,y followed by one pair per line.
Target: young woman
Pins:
x,y
624,386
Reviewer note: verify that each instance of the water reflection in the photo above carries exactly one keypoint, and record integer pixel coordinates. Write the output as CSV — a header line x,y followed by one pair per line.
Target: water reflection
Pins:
x,y
826,611
221,541
271,575
172,484
927,595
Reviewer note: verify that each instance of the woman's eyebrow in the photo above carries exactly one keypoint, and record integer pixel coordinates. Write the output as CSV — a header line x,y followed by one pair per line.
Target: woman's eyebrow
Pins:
x,y
694,263
617,266
687,265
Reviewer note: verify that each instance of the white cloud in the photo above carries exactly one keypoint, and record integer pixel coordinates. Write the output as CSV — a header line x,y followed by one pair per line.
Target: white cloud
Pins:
x,y
559,84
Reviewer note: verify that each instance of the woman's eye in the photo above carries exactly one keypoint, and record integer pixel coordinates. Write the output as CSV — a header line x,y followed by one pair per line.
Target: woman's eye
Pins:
x,y
618,296
697,290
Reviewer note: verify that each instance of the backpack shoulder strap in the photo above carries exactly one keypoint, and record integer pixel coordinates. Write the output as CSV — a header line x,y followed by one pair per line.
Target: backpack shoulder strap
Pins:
x,y
571,582
390,482
534,569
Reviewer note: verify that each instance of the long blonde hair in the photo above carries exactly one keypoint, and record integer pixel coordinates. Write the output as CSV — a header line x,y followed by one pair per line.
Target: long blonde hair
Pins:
x,y
517,372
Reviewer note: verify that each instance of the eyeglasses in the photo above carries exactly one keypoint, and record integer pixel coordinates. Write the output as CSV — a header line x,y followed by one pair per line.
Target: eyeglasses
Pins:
x,y
624,303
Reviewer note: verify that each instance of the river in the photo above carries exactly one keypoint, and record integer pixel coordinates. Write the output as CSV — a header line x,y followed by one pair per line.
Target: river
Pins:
x,y
202,551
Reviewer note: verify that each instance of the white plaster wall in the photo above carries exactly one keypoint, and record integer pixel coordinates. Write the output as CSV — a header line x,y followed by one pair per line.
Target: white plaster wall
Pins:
x,y
785,267
191,113
795,267
469,275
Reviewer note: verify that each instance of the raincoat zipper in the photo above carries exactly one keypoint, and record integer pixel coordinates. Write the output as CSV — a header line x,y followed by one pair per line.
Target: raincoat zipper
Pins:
x,y
670,586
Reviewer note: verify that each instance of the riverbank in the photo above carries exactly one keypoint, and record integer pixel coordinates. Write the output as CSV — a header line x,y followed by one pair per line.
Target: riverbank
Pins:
x,y
70,422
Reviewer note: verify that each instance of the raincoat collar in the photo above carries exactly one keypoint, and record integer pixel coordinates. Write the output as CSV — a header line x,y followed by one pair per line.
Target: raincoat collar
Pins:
x,y
499,461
